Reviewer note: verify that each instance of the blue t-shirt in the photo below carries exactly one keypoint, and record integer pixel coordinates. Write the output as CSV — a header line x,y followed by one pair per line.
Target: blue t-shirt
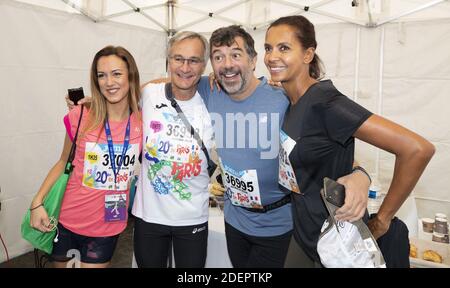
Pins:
x,y
247,139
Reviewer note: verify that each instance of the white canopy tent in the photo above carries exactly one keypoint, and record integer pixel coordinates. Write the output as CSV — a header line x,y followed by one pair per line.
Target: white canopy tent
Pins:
x,y
390,56
206,16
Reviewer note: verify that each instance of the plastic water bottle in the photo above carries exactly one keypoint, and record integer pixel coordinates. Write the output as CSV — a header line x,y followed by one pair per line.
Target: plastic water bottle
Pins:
x,y
375,197
375,187
374,191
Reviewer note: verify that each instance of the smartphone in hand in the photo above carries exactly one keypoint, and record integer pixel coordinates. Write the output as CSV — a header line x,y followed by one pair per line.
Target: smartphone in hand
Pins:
x,y
333,192
75,94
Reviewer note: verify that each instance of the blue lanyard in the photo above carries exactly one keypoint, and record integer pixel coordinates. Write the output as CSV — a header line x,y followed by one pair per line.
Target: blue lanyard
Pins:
x,y
111,148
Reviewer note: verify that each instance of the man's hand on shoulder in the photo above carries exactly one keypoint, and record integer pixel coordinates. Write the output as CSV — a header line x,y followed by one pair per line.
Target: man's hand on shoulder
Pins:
x,y
274,84
156,81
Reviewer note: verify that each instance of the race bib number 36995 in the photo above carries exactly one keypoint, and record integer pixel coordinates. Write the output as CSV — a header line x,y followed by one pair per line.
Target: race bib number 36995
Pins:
x,y
242,187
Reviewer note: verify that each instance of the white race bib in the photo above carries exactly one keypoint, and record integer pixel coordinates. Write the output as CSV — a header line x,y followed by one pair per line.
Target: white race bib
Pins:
x,y
241,187
97,172
171,140
286,175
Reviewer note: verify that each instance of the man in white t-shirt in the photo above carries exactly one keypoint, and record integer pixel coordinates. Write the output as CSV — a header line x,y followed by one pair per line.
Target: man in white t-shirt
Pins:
x,y
171,202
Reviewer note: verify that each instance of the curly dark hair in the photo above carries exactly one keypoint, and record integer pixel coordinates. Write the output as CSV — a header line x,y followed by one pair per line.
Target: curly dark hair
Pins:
x,y
226,36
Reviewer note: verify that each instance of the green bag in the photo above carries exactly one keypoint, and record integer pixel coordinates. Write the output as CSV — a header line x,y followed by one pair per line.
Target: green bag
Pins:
x,y
52,204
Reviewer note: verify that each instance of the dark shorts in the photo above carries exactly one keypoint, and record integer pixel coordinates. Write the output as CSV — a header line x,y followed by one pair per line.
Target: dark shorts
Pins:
x,y
89,249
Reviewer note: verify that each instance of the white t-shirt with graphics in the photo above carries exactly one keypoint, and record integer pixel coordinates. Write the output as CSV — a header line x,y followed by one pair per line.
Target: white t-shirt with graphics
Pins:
x,y
173,184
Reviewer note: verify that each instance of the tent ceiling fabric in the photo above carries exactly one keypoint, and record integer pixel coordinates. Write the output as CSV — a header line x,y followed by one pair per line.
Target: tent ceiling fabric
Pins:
x,y
206,16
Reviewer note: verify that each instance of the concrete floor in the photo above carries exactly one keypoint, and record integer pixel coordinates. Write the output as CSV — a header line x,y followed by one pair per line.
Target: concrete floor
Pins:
x,y
122,256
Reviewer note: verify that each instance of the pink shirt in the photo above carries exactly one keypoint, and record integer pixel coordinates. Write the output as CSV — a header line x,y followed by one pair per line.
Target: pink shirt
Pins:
x,y
83,207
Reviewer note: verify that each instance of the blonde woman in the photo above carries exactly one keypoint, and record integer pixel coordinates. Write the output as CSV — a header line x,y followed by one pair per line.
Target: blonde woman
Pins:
x,y
93,211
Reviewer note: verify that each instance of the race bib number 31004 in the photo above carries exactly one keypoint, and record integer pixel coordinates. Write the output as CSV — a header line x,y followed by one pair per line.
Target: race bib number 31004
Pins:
x,y
97,172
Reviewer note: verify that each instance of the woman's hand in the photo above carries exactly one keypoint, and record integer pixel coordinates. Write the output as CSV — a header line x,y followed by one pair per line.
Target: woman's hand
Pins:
x,y
71,105
412,154
378,226
39,219
356,194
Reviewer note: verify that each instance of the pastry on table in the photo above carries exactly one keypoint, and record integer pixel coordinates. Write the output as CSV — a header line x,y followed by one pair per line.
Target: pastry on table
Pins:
x,y
433,256
412,250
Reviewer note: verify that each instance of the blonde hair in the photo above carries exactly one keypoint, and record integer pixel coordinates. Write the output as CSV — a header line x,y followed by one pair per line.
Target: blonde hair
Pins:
x,y
97,114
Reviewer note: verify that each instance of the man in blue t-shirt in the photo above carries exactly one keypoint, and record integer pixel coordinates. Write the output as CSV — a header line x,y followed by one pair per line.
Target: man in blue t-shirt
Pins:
x,y
247,114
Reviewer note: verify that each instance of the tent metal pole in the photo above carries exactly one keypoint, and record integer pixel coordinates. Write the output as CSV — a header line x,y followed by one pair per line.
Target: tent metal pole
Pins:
x,y
369,15
311,9
215,14
321,3
313,6
131,11
170,18
345,19
80,9
211,14
116,15
357,58
153,6
422,7
170,32
380,97
139,10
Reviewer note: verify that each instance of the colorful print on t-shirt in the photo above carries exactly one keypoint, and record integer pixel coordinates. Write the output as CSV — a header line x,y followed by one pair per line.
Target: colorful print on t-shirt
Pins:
x,y
173,154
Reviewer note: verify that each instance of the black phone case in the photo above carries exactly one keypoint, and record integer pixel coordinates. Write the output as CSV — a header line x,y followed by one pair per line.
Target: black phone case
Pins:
x,y
334,192
76,94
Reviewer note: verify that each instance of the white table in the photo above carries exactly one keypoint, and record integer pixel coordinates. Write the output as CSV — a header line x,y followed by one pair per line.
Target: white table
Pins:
x,y
217,253
217,256
407,212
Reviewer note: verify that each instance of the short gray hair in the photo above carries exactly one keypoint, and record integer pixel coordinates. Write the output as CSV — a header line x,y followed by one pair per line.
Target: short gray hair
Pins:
x,y
180,36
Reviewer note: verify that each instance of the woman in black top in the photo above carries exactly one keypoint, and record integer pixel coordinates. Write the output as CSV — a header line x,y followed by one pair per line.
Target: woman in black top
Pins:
x,y
323,123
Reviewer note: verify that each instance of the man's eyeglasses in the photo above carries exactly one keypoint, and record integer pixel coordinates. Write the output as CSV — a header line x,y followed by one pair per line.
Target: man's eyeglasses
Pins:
x,y
178,60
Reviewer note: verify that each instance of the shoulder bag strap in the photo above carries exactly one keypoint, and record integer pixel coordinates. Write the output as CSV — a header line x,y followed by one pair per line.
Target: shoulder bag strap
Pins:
x,y
173,102
69,166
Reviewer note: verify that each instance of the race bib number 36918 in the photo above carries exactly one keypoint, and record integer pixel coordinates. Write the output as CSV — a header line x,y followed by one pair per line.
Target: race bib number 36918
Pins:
x,y
97,172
